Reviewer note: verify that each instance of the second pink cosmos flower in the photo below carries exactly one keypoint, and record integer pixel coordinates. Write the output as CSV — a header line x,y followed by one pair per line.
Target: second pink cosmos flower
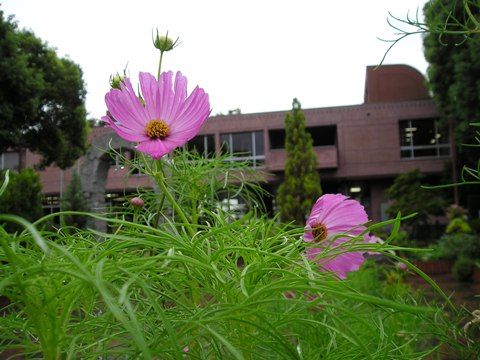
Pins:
x,y
334,220
164,119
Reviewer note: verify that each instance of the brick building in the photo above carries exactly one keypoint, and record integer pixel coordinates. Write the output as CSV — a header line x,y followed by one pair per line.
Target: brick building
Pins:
x,y
360,148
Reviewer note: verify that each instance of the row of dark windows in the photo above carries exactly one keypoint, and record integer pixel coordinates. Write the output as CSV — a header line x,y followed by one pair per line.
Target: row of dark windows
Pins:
x,y
251,143
418,138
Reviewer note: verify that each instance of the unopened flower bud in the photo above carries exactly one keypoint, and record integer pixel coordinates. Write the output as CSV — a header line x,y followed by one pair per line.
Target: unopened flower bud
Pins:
x,y
116,81
401,266
137,202
164,43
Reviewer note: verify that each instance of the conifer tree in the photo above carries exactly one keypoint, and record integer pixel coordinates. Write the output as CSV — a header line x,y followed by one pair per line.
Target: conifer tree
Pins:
x,y
301,186
73,199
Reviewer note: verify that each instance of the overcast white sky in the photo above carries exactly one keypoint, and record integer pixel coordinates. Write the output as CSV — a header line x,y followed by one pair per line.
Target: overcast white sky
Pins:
x,y
256,55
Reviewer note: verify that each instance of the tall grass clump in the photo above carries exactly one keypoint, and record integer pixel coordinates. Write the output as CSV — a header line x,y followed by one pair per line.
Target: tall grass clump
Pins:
x,y
205,284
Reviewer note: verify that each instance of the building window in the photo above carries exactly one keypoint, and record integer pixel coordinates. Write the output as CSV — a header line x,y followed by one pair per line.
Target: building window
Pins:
x,y
203,145
321,136
244,146
9,160
423,138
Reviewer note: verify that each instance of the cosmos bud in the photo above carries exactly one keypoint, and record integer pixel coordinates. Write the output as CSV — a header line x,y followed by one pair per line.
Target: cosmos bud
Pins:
x,y
137,202
164,43
116,81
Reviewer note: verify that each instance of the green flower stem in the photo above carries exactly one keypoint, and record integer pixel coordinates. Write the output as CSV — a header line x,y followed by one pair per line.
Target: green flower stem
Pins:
x,y
160,65
160,177
194,213
159,209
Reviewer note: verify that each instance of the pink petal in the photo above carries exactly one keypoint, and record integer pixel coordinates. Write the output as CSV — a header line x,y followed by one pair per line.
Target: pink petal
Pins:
x,y
323,206
343,263
126,108
124,132
308,236
151,94
194,112
179,96
155,148
340,264
166,95
348,212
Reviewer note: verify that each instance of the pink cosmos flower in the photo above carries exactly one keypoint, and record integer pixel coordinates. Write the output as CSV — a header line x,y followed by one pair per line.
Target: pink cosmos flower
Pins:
x,y
163,119
331,215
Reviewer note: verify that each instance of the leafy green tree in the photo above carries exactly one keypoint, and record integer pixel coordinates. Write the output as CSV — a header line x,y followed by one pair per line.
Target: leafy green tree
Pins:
x,y
409,197
23,196
42,98
301,187
73,199
454,73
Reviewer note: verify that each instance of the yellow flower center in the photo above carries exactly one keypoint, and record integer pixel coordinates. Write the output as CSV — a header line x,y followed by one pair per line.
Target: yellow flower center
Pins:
x,y
157,129
319,232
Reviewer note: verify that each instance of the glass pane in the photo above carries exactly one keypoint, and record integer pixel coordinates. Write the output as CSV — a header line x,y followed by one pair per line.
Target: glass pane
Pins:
x,y
242,143
225,143
444,151
277,139
424,152
405,133
405,153
196,145
423,132
323,135
210,145
259,147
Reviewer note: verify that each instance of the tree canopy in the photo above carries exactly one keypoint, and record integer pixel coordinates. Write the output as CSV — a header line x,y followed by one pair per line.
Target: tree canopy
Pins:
x,y
454,67
42,98
302,181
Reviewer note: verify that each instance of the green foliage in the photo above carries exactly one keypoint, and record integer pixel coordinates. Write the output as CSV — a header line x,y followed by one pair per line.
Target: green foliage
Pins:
x,y
234,289
454,246
41,98
463,269
409,197
22,196
73,199
454,72
458,226
148,291
301,186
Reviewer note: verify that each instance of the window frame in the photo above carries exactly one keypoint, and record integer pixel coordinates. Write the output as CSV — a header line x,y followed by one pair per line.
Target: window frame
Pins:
x,y
412,147
254,157
205,153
